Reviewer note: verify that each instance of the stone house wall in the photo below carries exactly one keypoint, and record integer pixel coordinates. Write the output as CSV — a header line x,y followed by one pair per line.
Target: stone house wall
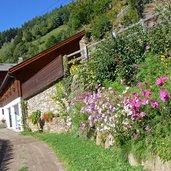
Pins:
x,y
43,101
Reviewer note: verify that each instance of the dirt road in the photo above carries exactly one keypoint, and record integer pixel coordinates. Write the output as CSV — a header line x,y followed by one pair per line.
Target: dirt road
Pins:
x,y
17,151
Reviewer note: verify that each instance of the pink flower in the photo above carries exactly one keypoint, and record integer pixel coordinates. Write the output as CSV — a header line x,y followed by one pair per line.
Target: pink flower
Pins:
x,y
139,85
136,95
164,95
146,93
142,114
144,101
155,104
121,81
136,67
137,104
132,102
82,125
111,107
147,47
160,81
129,126
135,116
165,78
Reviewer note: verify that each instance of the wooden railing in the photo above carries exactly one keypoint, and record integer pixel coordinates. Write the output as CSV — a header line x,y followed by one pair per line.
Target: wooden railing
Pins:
x,y
87,50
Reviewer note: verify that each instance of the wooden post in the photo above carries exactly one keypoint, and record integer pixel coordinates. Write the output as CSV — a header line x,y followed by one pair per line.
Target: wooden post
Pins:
x,y
143,25
113,34
65,65
86,52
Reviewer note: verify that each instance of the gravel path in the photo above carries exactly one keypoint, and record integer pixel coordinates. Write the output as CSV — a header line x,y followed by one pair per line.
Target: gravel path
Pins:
x,y
17,151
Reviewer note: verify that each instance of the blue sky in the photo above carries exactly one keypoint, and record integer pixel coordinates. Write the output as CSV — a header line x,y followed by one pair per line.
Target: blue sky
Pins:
x,y
13,13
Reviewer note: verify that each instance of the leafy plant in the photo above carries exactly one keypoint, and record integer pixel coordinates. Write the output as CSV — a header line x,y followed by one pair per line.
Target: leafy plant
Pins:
x,y
100,26
35,117
84,77
24,169
25,116
62,99
118,57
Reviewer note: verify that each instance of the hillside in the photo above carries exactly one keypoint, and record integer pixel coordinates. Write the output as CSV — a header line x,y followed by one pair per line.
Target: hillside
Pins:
x,y
96,17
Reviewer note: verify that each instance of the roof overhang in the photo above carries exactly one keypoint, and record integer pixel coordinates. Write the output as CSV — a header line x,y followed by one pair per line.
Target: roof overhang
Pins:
x,y
16,71
63,44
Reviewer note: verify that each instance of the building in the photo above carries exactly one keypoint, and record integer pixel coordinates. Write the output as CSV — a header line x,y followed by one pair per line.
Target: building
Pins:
x,y
33,80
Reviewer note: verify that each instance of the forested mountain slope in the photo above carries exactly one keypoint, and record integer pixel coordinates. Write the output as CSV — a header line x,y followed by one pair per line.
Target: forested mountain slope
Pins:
x,y
97,17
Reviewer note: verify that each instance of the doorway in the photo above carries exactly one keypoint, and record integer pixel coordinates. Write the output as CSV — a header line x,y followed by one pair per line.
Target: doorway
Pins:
x,y
17,116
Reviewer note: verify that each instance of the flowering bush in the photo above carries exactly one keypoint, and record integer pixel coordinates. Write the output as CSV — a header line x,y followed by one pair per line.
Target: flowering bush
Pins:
x,y
140,108
104,110
129,115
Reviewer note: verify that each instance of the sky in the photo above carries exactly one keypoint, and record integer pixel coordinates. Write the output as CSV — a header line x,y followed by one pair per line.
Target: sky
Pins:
x,y
14,13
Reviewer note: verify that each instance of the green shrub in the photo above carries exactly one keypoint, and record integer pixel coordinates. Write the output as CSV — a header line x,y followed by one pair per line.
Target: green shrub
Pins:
x,y
159,38
84,77
117,57
101,6
24,169
35,117
153,67
130,17
100,25
62,97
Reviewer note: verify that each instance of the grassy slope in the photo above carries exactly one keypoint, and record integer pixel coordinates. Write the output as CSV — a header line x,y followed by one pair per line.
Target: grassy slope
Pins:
x,y
83,155
42,40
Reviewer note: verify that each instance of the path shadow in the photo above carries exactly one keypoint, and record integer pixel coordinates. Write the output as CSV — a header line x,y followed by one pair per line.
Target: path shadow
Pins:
x,y
6,154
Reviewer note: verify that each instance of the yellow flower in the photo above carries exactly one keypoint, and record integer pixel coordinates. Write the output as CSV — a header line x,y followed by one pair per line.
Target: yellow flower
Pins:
x,y
73,69
162,56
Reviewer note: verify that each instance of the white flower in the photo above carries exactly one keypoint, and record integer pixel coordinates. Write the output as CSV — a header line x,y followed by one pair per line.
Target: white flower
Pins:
x,y
106,128
126,90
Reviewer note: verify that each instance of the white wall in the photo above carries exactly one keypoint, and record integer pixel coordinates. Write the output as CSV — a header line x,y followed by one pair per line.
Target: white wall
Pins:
x,y
1,115
16,115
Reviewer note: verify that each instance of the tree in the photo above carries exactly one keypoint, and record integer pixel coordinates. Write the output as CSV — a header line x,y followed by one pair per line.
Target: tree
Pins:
x,y
64,13
27,36
20,51
51,41
99,7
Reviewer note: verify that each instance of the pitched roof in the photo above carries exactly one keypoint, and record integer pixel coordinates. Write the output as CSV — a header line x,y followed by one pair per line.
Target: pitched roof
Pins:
x,y
58,46
6,67
28,64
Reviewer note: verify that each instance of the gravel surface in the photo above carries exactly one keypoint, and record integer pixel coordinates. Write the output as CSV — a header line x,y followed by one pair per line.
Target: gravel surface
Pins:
x,y
17,151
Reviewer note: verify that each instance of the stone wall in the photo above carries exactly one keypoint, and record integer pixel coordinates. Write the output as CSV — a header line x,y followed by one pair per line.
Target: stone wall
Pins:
x,y
56,125
43,101
154,163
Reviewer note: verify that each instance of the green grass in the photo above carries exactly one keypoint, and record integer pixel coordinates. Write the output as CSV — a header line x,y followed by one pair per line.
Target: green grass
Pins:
x,y
23,169
79,154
